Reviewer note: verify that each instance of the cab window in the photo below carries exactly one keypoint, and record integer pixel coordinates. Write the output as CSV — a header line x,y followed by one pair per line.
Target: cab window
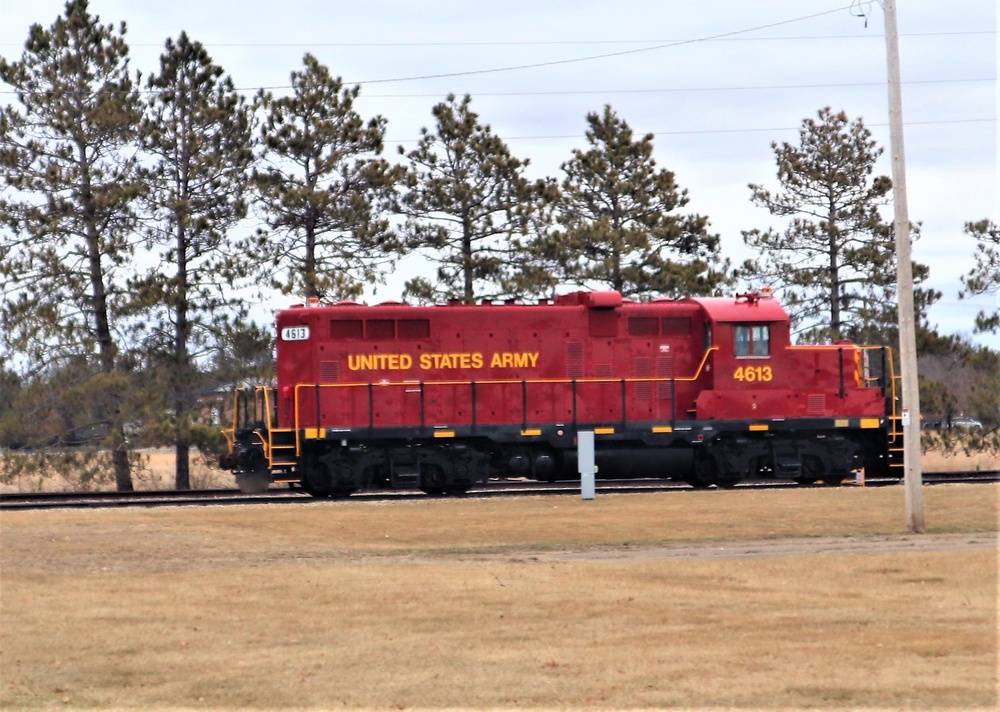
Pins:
x,y
752,339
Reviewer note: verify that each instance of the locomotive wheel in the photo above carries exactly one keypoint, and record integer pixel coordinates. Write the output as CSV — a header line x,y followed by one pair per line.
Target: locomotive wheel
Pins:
x,y
702,471
323,479
433,480
813,469
706,473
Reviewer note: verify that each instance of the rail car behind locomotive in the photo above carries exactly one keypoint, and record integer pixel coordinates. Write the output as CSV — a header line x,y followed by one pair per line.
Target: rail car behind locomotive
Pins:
x,y
710,391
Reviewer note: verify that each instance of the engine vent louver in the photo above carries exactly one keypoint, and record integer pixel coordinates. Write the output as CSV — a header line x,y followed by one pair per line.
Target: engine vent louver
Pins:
x,y
665,369
574,360
643,326
675,326
644,369
329,371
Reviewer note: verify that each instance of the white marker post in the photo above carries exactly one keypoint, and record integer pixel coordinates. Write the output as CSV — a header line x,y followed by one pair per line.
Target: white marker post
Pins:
x,y
586,462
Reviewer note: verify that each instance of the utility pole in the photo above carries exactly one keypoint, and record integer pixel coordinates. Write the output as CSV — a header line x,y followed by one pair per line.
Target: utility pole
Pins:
x,y
912,477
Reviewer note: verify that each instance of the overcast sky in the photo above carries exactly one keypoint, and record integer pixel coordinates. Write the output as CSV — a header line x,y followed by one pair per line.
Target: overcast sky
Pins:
x,y
716,81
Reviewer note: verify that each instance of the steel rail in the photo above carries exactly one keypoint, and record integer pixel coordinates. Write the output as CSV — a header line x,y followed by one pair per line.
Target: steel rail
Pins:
x,y
499,488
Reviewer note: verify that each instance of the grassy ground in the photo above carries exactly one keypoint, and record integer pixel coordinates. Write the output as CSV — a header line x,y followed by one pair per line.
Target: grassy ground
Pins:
x,y
956,461
747,600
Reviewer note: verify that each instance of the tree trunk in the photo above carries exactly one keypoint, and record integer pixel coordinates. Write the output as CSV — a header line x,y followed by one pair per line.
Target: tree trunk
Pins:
x,y
834,255
468,272
181,375
183,471
123,472
102,329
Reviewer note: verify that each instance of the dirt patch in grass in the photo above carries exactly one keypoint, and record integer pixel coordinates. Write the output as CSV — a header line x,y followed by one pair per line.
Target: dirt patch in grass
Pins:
x,y
747,600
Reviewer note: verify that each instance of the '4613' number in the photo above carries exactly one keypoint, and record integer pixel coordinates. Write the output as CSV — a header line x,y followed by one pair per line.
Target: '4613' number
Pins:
x,y
753,373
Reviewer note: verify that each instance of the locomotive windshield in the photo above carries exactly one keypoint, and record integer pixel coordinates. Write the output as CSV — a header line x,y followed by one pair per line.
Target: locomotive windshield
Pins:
x,y
752,339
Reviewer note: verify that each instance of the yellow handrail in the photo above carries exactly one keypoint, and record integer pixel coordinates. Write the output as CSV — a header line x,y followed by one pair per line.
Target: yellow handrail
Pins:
x,y
263,394
890,380
491,382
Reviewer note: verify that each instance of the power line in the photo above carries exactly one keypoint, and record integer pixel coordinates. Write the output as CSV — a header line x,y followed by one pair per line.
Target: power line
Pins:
x,y
607,55
667,44
842,85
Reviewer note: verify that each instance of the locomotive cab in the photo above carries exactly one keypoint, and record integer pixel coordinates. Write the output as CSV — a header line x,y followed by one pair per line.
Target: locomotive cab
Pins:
x,y
749,332
802,412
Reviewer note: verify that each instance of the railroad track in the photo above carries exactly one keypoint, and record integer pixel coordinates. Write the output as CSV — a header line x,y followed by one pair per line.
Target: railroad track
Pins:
x,y
160,498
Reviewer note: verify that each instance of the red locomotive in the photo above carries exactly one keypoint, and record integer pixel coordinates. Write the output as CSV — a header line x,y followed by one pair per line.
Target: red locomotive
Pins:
x,y
710,391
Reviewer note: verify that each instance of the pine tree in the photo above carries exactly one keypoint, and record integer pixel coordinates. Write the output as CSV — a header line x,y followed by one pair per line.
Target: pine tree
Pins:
x,y
466,204
245,355
11,422
984,277
198,130
619,223
835,262
324,191
68,157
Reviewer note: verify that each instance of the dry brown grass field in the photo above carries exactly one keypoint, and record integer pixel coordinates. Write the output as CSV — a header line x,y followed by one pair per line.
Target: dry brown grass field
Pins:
x,y
802,599
954,462
152,470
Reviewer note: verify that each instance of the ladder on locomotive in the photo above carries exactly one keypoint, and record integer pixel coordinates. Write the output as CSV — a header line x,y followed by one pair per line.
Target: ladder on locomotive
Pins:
x,y
895,448
279,444
887,380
